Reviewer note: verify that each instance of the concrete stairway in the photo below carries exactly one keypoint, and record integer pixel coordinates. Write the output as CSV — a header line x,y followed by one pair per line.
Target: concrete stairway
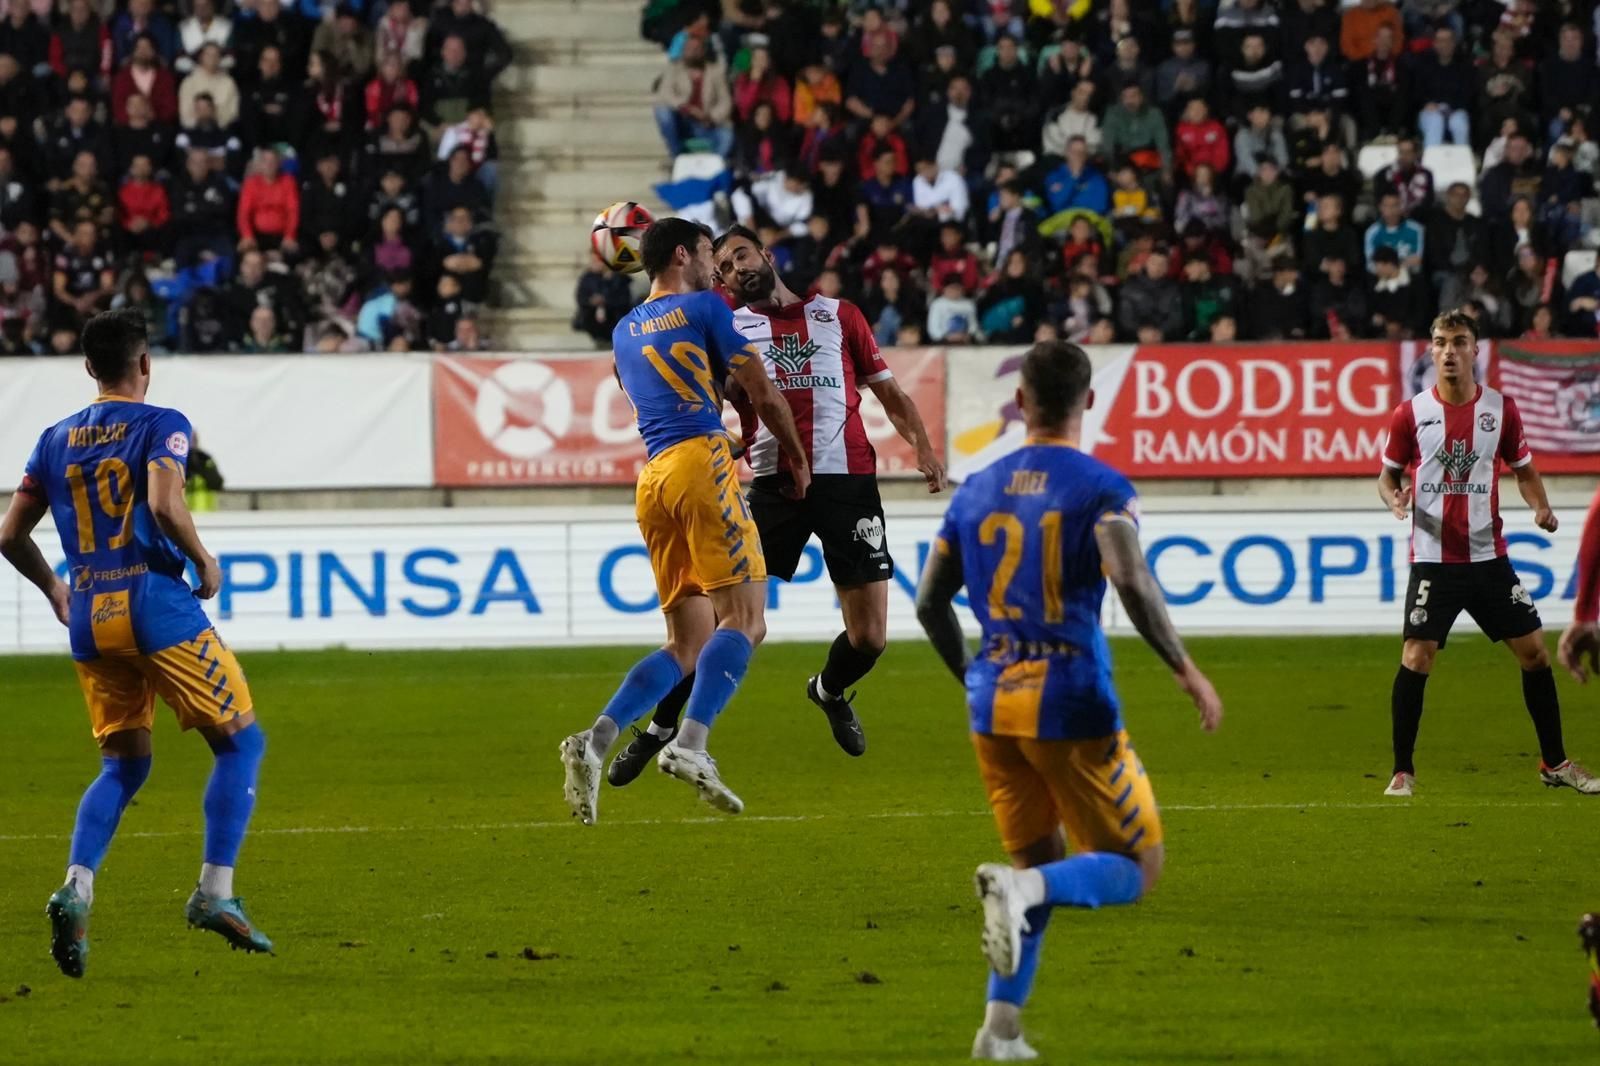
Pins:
x,y
576,134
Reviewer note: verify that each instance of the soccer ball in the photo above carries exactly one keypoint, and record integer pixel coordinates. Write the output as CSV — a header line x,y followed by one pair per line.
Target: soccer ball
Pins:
x,y
617,233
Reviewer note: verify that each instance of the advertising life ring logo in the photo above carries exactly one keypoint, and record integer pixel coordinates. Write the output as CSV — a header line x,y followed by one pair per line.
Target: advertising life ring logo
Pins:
x,y
523,408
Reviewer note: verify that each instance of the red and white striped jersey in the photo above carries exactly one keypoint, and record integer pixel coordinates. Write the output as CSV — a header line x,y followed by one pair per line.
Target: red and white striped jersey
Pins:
x,y
819,353
1456,449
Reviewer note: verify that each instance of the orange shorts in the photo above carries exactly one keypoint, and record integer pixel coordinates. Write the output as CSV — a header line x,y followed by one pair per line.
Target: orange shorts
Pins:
x,y
695,521
199,679
1097,789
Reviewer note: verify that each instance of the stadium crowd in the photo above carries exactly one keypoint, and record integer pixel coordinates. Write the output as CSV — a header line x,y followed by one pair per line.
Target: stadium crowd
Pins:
x,y
1150,170
281,176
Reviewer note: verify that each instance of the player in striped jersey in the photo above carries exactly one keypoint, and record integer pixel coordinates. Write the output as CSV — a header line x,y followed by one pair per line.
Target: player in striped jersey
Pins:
x,y
820,352
1581,640
1453,438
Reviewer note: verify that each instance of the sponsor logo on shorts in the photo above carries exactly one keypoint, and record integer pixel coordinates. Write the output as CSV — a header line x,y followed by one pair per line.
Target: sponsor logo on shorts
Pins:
x,y
1520,595
1419,616
113,608
871,531
1486,422
178,443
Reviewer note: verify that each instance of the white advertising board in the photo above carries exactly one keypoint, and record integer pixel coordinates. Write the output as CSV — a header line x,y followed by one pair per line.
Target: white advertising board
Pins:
x,y
452,579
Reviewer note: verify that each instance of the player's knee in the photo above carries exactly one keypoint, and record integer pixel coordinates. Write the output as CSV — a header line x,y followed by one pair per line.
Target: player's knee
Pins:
x,y
1417,655
1151,861
1534,657
869,640
755,629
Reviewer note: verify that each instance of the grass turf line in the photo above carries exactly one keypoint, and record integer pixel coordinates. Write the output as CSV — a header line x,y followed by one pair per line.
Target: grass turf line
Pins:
x,y
410,846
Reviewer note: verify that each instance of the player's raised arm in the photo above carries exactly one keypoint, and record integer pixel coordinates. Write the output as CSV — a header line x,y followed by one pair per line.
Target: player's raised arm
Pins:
x,y
1125,567
17,545
171,513
936,596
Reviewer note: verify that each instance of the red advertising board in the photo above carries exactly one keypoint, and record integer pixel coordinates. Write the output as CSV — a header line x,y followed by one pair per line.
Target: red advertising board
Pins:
x,y
565,421
1556,386
1280,410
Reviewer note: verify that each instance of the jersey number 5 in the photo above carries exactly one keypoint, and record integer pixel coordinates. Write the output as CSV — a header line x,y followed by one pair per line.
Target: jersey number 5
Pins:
x,y
114,485
1003,524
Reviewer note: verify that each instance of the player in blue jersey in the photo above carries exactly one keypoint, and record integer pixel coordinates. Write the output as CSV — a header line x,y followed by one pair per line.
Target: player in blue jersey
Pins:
x,y
112,477
673,353
1034,538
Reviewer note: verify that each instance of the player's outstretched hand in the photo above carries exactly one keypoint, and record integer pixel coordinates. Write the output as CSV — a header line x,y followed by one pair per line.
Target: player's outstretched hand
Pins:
x,y
1545,519
933,470
1401,504
60,601
210,578
802,482
1579,642
1198,688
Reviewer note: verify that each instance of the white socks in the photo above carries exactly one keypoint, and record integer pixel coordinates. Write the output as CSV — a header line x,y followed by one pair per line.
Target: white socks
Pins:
x,y
692,735
1002,1019
656,729
81,878
1030,885
822,692
216,881
602,735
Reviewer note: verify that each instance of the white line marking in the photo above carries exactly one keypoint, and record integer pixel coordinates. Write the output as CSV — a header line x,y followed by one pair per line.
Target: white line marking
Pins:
x,y
496,827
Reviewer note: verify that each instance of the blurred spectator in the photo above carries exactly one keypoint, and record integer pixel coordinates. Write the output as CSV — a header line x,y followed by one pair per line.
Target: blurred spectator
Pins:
x,y
256,286
269,206
1393,230
1583,305
1076,119
1332,238
1568,82
1454,240
389,89
1076,185
1408,179
400,146
466,252
348,41
81,42
1563,190
18,200
333,116
453,86
1317,80
262,336
891,304
1331,177
881,137
1270,211
1505,86
1395,302
1200,140
603,299
693,102
209,78
85,279
952,261
888,255
1277,308
221,146
938,27
953,315
1518,174
1150,306
1511,233
1536,282
783,198
939,195
759,83
272,111
204,326
449,308
272,29
1314,135
202,211
144,211
401,35
1256,138
82,198
1360,26
1240,20
468,338
1012,302
475,133
328,204
1338,305
145,73
1132,206
389,321
880,86
451,187
73,133
1379,81
1301,20
1541,325
1206,297
1202,202
816,85
203,26
1136,131
1478,286
1128,68
140,19
1442,83
886,195
1258,78
1182,75
956,131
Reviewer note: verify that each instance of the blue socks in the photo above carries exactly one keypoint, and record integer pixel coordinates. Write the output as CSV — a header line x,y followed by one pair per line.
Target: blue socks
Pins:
x,y
101,808
231,793
1015,989
646,684
718,671
1092,879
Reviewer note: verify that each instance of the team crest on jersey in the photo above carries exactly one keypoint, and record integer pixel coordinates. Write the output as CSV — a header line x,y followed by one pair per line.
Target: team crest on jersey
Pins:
x,y
1419,615
178,443
871,531
1520,595
822,314
1456,460
1486,422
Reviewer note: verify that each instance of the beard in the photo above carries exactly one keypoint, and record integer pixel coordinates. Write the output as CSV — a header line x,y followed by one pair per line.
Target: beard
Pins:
x,y
757,286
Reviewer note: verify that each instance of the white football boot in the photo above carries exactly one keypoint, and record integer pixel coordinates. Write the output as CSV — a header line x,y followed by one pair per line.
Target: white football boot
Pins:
x,y
1402,783
1004,916
993,1048
700,770
1570,775
583,766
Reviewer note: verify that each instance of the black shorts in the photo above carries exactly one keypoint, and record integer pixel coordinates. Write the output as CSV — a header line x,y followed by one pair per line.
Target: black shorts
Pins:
x,y
845,513
1489,591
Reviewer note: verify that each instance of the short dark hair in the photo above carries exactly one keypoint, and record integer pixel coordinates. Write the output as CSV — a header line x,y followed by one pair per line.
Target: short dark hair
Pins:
x,y
663,239
737,231
1456,318
112,342
1057,374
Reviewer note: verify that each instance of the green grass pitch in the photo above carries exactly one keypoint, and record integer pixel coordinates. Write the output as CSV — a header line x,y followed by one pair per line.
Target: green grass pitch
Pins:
x,y
410,843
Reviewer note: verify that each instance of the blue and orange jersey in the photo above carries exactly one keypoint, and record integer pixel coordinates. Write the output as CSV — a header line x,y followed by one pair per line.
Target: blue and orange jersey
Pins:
x,y
1024,530
673,352
129,594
